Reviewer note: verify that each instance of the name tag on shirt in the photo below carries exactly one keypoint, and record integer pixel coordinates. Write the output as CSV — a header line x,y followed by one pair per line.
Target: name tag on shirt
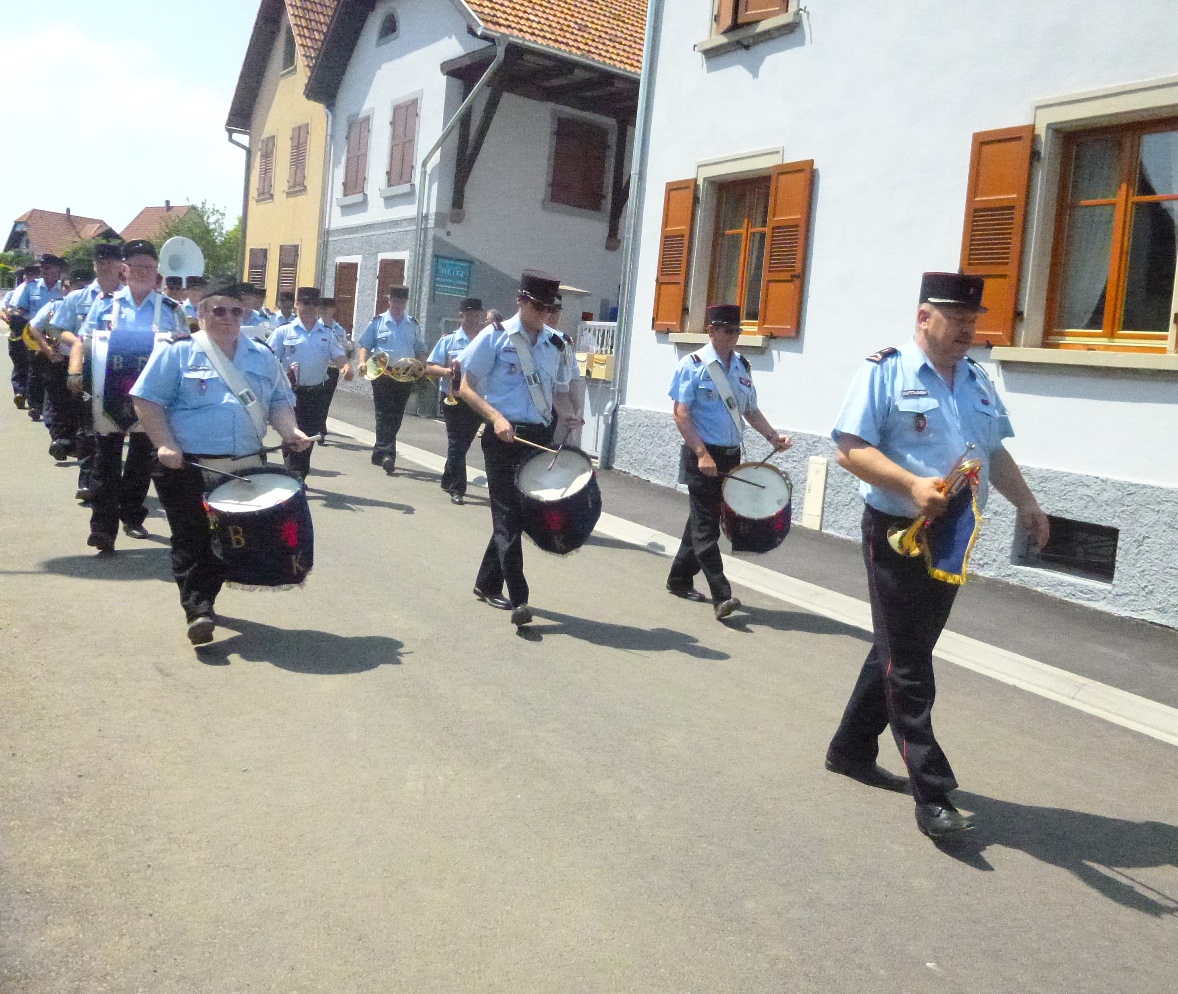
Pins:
x,y
915,393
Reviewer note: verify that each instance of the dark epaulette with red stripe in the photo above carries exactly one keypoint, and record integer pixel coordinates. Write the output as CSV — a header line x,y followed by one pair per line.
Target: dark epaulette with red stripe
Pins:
x,y
883,354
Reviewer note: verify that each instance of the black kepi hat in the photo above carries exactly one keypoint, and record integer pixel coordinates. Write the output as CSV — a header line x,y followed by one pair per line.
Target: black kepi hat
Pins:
x,y
196,282
471,304
286,295
327,301
107,250
541,287
139,246
174,282
77,275
725,315
49,259
952,289
307,295
398,292
226,286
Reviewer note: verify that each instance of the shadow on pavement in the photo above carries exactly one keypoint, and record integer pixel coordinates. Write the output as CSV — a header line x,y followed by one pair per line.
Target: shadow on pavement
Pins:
x,y
616,543
350,502
300,650
152,562
605,634
792,621
1095,849
336,442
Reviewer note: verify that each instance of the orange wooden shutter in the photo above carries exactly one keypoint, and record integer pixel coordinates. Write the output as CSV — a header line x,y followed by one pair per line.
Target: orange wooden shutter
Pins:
x,y
670,294
726,16
784,273
995,216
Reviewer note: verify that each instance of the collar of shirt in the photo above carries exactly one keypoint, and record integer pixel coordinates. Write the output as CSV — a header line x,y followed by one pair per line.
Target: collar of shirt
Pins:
x,y
709,355
124,295
913,360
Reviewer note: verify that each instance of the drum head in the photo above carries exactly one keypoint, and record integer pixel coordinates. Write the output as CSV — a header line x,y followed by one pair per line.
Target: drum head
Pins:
x,y
569,474
773,494
264,490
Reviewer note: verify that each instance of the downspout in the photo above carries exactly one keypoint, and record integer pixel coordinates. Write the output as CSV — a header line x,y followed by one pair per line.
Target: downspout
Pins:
x,y
245,198
463,110
654,15
325,204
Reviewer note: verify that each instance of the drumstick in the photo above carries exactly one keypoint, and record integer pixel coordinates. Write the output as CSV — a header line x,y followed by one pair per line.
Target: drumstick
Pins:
x,y
555,457
536,445
741,479
219,472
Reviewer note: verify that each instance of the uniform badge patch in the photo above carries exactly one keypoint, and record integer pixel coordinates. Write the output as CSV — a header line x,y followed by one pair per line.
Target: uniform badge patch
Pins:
x,y
921,422
915,393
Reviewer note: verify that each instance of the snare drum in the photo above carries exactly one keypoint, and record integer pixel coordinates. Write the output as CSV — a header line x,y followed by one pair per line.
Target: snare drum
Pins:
x,y
756,518
560,499
263,528
116,360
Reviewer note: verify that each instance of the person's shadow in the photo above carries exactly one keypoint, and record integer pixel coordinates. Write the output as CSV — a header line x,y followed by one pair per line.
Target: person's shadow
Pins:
x,y
1095,849
608,635
140,561
301,650
748,618
333,501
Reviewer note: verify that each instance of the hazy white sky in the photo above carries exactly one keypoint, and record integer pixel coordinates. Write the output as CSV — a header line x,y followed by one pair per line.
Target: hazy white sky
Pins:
x,y
114,105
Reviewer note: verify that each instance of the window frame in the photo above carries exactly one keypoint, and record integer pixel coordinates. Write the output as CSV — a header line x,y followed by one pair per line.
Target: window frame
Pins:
x,y
290,49
731,14
747,326
608,128
384,39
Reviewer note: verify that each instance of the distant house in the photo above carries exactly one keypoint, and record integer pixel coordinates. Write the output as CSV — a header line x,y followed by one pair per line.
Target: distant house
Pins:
x,y
282,220
150,221
38,232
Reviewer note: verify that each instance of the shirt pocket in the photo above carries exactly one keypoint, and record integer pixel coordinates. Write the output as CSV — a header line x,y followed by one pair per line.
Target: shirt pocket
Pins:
x,y
920,420
985,423
200,388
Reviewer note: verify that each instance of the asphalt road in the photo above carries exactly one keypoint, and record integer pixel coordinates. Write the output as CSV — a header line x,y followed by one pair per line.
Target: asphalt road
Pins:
x,y
374,784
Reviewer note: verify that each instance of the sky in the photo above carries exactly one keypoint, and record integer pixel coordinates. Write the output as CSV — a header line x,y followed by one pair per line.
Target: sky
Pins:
x,y
122,105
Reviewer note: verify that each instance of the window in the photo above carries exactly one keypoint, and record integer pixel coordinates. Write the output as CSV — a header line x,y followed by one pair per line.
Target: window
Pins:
x,y
733,13
388,28
346,276
402,148
288,48
288,267
257,266
579,157
356,162
297,178
266,169
738,249
1116,244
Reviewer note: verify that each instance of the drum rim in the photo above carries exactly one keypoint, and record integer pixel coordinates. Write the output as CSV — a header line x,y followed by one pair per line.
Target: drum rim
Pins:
x,y
758,465
546,455
257,471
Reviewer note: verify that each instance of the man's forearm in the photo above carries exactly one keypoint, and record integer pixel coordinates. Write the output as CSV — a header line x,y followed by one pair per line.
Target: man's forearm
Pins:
x,y
870,465
283,420
1008,479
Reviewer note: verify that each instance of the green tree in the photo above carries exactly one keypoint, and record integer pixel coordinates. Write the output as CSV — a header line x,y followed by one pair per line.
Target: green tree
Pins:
x,y
80,255
10,262
205,225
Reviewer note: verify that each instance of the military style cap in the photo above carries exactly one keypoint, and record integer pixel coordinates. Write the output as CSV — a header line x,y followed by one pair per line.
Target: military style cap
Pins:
x,y
286,295
174,282
399,293
543,288
107,250
252,288
327,301
307,295
78,275
471,304
139,246
725,315
49,259
226,286
952,288
195,282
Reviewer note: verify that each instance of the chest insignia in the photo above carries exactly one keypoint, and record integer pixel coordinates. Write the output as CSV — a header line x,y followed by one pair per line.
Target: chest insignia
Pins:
x,y
745,383
915,393
986,401
920,422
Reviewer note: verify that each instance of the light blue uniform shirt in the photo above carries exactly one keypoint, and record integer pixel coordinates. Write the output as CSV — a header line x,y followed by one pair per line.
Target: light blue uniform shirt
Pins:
x,y
899,404
279,320
492,359
190,310
313,350
204,415
340,332
692,386
43,322
72,313
33,296
400,339
119,311
256,325
446,350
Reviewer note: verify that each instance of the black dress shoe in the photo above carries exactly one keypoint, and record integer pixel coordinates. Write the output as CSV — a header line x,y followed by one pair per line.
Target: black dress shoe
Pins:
x,y
940,821
135,531
495,600
389,465
60,450
871,774
687,593
457,499
377,458
200,630
725,607
521,616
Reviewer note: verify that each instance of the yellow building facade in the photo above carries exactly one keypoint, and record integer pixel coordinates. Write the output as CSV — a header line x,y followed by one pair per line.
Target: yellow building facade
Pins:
x,y
287,133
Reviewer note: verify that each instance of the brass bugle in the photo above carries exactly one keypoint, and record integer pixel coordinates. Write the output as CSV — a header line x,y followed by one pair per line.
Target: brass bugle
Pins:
x,y
452,387
906,540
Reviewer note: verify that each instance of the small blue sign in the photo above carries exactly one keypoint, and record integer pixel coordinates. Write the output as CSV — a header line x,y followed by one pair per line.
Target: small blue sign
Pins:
x,y
452,276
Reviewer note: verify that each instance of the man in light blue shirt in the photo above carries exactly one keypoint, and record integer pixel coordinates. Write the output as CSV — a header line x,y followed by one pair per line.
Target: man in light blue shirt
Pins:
x,y
712,436
59,411
327,319
907,419
306,350
286,310
399,336
17,352
195,287
462,423
32,297
255,323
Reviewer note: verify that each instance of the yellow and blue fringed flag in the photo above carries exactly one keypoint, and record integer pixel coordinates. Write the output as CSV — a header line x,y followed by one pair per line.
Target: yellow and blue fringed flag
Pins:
x,y
947,542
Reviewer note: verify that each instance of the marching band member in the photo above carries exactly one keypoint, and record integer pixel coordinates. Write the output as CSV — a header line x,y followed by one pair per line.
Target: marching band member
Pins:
x,y
286,310
306,350
713,395
174,289
256,323
118,489
32,297
510,373
59,412
190,412
327,318
907,418
399,336
462,422
195,287
17,351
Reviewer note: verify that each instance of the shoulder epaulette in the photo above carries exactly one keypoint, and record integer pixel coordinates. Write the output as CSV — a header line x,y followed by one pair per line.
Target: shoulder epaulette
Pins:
x,y
169,302
177,336
747,367
558,340
883,354
695,358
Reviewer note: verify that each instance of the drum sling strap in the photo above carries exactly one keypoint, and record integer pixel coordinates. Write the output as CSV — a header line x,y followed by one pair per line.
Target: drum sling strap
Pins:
x,y
541,399
723,386
234,381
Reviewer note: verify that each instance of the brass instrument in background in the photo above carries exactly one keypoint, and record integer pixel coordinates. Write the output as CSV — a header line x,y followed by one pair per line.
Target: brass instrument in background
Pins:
x,y
401,370
905,540
452,387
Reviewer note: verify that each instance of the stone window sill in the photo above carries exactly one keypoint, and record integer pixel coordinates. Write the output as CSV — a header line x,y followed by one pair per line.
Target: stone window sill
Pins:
x,y
744,342
351,200
296,191
750,34
1147,361
396,191
264,198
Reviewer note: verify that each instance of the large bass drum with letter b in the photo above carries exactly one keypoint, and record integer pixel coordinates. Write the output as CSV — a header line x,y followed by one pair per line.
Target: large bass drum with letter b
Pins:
x,y
116,360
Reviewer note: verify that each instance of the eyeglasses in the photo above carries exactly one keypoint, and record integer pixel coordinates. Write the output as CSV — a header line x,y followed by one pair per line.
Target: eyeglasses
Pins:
x,y
220,312
727,329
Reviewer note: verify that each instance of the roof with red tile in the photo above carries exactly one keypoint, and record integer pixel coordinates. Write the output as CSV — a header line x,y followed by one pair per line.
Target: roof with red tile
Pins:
x,y
49,231
310,19
150,221
608,31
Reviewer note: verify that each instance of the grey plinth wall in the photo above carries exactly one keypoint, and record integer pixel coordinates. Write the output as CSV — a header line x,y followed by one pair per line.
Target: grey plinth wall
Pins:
x,y
1146,582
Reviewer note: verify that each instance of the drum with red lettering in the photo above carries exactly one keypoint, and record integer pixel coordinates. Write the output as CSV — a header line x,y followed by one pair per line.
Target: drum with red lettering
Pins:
x,y
263,528
757,507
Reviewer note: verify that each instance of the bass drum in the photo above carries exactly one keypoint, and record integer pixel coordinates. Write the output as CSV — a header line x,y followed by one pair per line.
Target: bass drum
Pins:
x,y
116,360
263,528
756,518
560,499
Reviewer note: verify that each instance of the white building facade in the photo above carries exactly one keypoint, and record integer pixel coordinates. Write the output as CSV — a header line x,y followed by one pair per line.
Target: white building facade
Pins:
x,y
810,165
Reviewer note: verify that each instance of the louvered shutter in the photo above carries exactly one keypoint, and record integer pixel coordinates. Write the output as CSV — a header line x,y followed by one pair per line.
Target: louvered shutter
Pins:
x,y
401,147
784,273
356,167
266,168
995,217
297,179
726,16
670,294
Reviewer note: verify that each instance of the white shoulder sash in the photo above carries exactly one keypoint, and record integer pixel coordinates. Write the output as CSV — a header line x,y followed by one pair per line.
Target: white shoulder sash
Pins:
x,y
720,380
540,398
234,381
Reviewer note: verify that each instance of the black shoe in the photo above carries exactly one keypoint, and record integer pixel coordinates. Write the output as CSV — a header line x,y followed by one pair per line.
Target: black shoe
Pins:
x,y
83,493
521,616
725,607
457,499
871,774
687,593
19,400
101,542
376,458
34,415
200,630
60,450
940,821
389,465
495,600
135,531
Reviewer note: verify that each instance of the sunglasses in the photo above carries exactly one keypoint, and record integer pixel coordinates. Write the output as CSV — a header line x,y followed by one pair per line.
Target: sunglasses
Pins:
x,y
220,312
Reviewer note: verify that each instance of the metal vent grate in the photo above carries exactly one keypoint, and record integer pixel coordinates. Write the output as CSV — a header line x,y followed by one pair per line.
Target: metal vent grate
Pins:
x,y
1078,548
